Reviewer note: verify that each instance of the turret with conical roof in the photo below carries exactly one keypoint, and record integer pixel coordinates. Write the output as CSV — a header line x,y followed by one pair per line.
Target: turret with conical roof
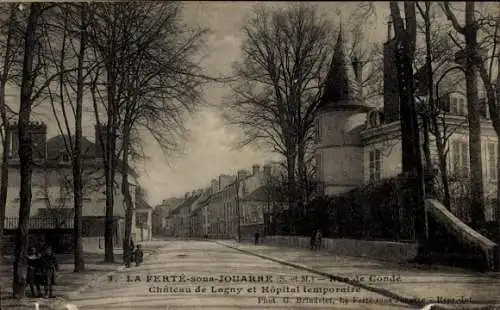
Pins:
x,y
342,88
341,118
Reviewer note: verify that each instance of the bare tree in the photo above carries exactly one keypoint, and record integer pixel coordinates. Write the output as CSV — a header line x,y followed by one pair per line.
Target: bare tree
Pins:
x,y
9,53
158,81
73,28
471,60
285,61
436,54
405,35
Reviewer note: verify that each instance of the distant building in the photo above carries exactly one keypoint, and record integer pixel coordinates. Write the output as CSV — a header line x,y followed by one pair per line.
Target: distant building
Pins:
x,y
247,198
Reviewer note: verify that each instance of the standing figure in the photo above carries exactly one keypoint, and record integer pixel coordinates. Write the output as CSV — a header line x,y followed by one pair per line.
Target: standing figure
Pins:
x,y
48,264
128,257
313,240
318,239
33,267
139,255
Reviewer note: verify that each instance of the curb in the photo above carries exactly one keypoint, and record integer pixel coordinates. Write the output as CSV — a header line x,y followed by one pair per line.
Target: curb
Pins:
x,y
412,301
61,302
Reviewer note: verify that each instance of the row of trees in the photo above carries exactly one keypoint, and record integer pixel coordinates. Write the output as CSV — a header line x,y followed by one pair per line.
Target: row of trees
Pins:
x,y
285,59
134,63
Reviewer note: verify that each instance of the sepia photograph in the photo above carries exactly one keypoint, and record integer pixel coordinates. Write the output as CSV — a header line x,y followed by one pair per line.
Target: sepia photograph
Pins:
x,y
249,155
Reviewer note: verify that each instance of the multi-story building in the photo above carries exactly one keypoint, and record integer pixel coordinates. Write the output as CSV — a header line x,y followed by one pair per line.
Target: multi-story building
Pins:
x,y
179,220
359,143
52,194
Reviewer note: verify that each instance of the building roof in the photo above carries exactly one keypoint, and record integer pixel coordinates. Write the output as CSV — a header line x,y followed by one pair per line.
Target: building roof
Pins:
x,y
342,88
57,143
187,203
264,193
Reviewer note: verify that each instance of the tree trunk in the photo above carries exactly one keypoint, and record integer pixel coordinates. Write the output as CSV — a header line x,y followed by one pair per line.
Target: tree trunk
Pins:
x,y
292,201
108,229
435,111
110,161
5,176
412,160
3,114
79,262
476,165
25,152
302,198
127,197
443,167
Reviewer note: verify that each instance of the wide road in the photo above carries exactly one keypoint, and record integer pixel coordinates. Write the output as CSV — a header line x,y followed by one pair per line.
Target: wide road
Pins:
x,y
205,275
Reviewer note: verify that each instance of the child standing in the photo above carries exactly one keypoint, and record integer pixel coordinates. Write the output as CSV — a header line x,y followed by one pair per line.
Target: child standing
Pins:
x,y
32,279
49,265
139,255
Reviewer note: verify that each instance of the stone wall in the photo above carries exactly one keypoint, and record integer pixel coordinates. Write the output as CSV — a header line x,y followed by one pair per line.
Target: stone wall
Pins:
x,y
381,250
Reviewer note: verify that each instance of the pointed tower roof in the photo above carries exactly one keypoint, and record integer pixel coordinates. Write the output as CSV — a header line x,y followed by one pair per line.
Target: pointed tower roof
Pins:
x,y
342,89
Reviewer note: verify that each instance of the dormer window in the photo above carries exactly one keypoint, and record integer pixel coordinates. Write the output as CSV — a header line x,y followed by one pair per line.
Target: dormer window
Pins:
x,y
63,156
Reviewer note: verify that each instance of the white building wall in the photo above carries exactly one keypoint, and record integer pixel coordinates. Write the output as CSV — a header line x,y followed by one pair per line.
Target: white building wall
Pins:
x,y
340,150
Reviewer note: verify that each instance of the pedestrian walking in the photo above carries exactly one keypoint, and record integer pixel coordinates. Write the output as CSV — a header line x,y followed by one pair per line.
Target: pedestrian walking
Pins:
x,y
139,255
31,277
49,267
256,238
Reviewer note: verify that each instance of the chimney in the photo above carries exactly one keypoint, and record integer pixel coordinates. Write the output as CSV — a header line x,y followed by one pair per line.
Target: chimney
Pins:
x,y
38,133
255,169
186,196
100,133
193,193
214,186
242,174
267,170
356,65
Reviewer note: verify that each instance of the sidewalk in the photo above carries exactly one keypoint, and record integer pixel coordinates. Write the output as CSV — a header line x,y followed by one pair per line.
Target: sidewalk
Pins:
x,y
68,283
411,284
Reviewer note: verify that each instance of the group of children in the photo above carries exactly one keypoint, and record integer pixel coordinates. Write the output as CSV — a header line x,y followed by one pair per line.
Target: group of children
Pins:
x,y
136,255
42,268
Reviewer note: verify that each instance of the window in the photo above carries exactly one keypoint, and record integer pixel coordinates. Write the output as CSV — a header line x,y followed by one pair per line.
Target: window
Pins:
x,y
454,106
317,131
462,107
318,166
63,156
460,155
492,164
375,164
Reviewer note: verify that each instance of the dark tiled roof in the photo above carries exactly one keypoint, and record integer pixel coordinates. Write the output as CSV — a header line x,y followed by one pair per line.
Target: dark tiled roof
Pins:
x,y
57,144
342,87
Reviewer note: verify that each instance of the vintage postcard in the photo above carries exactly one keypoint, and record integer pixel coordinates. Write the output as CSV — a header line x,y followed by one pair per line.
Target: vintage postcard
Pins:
x,y
249,155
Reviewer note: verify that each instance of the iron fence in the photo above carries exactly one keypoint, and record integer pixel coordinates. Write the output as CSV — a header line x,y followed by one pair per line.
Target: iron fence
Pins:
x,y
42,222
